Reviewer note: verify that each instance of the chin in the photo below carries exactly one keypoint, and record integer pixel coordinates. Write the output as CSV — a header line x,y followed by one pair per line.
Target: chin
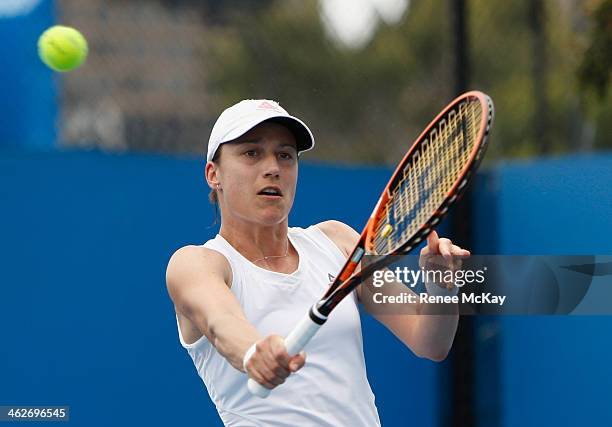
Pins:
x,y
271,220
271,216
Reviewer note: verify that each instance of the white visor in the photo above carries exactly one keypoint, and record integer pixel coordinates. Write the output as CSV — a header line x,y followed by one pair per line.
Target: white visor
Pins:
x,y
238,119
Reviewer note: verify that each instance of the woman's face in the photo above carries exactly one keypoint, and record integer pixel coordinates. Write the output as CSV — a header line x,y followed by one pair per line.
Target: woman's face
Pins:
x,y
257,174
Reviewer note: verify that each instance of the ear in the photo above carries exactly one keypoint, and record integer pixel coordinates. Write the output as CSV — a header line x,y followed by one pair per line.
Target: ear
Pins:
x,y
211,173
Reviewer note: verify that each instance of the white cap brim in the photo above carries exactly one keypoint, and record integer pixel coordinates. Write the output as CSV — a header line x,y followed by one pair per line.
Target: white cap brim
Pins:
x,y
227,130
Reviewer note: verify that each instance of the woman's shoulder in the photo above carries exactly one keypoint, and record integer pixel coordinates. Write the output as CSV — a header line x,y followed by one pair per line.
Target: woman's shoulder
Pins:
x,y
195,252
334,228
198,260
342,235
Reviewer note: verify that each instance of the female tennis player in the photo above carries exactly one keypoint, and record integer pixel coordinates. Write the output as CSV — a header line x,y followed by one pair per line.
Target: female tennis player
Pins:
x,y
240,293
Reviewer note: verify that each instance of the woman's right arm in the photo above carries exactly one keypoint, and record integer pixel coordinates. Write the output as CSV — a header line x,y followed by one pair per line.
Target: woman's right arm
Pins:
x,y
198,281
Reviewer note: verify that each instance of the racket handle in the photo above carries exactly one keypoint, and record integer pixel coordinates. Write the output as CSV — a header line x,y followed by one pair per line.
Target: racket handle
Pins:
x,y
295,342
301,334
257,389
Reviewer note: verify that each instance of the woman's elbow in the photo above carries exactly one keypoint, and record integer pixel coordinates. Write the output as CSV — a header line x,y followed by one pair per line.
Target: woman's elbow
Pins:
x,y
433,354
439,357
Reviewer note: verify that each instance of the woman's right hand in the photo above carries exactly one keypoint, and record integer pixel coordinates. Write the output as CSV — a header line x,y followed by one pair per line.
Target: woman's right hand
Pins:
x,y
270,364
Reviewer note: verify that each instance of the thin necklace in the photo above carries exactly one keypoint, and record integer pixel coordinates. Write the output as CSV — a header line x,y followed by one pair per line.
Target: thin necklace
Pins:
x,y
266,258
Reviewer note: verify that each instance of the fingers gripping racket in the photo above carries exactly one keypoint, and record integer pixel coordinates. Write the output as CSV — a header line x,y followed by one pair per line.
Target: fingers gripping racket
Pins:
x,y
428,181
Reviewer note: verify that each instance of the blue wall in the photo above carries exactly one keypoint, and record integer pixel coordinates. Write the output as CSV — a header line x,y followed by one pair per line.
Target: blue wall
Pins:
x,y
536,371
28,102
86,320
85,317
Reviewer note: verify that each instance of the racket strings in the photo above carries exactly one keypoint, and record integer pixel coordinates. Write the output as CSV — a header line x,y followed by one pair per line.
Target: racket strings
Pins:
x,y
428,176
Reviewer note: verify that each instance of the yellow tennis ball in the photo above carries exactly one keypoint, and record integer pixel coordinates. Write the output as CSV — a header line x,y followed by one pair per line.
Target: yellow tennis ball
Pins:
x,y
387,229
62,48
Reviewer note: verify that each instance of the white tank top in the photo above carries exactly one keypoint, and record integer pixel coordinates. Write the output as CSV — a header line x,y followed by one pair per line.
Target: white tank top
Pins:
x,y
332,388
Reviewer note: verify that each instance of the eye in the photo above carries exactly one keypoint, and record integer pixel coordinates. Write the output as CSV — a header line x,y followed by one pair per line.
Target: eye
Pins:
x,y
285,156
250,153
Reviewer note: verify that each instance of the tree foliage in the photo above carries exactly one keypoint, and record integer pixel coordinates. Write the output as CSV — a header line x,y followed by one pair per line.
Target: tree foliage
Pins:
x,y
368,105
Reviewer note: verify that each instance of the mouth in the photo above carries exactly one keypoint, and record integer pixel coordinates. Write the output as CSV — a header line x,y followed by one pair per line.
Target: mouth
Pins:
x,y
270,191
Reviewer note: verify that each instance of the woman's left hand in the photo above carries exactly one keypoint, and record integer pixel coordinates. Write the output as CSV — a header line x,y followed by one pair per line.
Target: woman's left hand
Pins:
x,y
441,253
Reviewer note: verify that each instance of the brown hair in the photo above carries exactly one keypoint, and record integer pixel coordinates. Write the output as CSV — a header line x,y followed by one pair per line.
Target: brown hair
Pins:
x,y
212,196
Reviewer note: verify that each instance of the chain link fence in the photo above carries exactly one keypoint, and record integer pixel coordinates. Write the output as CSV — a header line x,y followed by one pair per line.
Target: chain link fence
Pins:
x,y
144,85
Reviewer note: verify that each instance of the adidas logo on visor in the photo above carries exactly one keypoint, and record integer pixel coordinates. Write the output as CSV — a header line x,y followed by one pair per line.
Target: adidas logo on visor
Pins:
x,y
268,106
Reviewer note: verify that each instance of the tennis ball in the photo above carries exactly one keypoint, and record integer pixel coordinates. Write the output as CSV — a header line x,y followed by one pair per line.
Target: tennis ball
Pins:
x,y
62,48
387,229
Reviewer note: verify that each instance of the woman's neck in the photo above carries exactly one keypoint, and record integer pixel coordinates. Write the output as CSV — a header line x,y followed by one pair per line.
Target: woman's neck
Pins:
x,y
265,246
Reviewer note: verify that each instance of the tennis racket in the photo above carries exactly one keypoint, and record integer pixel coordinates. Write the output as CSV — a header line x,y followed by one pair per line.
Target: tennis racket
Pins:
x,y
428,181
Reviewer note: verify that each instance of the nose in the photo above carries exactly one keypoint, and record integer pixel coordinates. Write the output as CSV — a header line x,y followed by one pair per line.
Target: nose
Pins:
x,y
271,168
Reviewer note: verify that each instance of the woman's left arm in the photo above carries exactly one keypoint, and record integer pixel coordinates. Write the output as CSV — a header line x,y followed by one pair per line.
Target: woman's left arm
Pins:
x,y
420,326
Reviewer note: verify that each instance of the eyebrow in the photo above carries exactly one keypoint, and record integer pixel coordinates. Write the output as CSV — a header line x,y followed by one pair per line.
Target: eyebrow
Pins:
x,y
258,141
248,141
